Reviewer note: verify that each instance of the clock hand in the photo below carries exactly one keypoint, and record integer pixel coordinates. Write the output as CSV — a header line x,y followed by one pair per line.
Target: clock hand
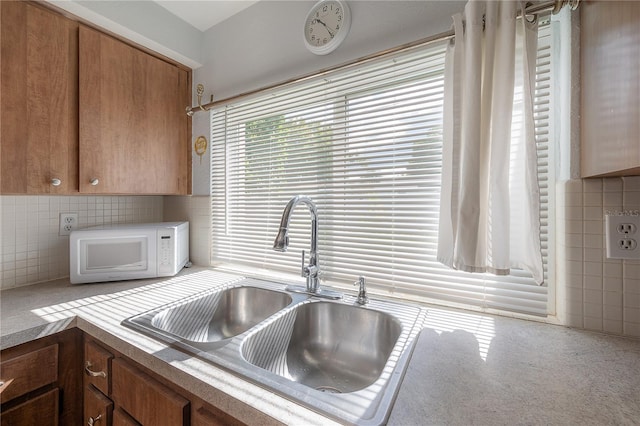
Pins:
x,y
325,26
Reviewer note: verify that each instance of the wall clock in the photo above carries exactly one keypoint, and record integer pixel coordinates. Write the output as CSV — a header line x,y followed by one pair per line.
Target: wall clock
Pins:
x,y
326,26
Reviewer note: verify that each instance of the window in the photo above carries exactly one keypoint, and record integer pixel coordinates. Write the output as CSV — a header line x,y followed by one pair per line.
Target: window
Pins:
x,y
365,144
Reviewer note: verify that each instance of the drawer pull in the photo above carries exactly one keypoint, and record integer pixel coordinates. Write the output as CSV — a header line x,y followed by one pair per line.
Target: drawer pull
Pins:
x,y
92,421
90,373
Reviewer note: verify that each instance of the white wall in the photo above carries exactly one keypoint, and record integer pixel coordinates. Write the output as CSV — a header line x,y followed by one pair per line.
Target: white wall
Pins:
x,y
263,45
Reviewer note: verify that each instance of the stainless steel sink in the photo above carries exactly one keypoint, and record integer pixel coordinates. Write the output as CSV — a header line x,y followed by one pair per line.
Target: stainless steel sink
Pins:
x,y
214,316
329,347
336,357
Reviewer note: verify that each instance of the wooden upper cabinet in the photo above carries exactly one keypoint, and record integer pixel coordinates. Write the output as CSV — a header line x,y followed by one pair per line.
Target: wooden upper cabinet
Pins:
x,y
134,133
39,101
610,88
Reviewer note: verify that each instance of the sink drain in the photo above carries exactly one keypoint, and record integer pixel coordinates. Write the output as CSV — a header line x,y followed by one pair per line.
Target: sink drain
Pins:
x,y
328,389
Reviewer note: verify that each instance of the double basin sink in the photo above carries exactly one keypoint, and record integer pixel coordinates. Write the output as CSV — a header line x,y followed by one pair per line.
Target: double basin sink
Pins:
x,y
336,357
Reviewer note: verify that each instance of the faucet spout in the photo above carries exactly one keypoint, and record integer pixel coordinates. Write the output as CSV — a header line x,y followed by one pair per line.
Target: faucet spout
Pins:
x,y
281,242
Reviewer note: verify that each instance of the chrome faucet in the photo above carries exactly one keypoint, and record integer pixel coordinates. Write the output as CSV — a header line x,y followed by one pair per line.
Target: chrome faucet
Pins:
x,y
281,242
311,270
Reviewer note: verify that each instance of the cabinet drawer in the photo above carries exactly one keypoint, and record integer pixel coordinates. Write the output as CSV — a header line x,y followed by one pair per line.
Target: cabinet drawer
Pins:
x,y
42,410
97,407
28,372
146,399
97,367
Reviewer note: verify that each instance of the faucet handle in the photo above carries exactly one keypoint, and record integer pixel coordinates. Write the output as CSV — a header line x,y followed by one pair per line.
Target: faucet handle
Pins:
x,y
362,291
308,270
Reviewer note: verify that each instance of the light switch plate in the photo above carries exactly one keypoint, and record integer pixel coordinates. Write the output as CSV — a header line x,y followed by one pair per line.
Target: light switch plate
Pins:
x,y
622,236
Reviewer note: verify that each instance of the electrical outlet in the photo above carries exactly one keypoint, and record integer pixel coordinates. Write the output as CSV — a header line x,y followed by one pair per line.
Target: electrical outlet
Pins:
x,y
626,228
68,222
627,244
622,236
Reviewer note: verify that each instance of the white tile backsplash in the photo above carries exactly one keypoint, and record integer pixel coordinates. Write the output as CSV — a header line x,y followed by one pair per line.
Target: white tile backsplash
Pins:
x,y
593,292
31,250
197,210
597,293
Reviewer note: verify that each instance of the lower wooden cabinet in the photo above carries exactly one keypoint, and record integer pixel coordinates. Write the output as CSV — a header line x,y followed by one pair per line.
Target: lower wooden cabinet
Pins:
x,y
98,409
29,372
70,378
40,410
40,381
131,395
97,367
145,399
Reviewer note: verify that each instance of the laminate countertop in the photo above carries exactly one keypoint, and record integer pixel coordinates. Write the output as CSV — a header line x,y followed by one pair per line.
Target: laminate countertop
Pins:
x,y
467,368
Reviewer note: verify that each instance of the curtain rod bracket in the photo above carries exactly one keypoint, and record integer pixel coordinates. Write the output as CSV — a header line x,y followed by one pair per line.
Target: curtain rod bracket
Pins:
x,y
559,4
199,92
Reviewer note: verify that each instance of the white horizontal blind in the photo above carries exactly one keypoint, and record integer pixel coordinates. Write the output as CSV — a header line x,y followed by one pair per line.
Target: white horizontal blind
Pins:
x,y
365,144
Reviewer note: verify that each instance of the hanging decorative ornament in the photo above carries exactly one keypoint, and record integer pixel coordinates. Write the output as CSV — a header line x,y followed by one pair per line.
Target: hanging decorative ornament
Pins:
x,y
200,146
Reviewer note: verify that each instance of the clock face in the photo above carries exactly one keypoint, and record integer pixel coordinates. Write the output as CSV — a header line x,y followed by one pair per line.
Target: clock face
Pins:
x,y
326,26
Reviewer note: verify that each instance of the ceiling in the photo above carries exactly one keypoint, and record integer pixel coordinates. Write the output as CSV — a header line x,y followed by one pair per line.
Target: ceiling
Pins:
x,y
203,14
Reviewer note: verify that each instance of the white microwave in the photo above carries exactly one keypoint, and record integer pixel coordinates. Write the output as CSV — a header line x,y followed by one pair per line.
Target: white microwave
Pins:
x,y
128,252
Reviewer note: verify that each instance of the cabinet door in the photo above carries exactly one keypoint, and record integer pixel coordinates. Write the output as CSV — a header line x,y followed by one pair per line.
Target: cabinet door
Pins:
x,y
42,410
133,127
28,372
610,85
147,400
39,109
49,362
97,367
98,408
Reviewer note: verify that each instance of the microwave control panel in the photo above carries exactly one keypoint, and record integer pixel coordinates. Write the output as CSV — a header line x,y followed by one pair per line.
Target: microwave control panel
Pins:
x,y
166,256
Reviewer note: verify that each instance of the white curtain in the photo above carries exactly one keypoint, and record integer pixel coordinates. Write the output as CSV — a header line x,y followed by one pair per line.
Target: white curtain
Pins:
x,y
490,200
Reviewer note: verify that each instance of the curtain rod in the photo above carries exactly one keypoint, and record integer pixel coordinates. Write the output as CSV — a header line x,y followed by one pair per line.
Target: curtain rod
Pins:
x,y
533,9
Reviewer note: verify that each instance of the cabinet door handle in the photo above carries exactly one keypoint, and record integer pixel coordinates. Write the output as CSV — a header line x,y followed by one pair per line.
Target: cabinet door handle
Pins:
x,y
93,420
87,369
94,181
56,182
